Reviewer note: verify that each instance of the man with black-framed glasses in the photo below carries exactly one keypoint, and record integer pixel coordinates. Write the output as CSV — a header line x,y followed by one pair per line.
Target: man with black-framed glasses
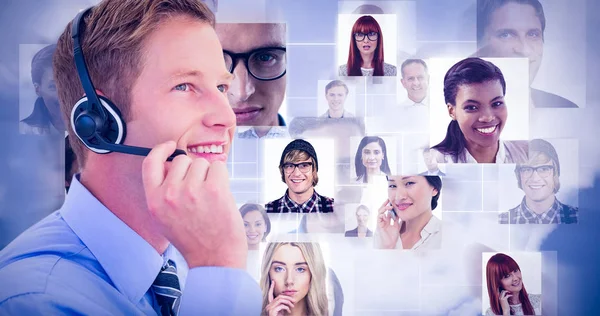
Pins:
x,y
255,53
539,179
298,167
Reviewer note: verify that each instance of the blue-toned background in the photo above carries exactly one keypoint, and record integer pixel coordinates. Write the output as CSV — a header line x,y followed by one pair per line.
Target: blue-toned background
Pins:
x,y
31,174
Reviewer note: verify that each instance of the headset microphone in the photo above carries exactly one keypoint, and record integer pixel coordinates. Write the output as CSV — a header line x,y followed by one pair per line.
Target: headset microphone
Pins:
x,y
95,119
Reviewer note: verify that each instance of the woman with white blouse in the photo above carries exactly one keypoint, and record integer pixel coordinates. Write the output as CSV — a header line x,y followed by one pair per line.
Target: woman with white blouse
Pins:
x,y
406,220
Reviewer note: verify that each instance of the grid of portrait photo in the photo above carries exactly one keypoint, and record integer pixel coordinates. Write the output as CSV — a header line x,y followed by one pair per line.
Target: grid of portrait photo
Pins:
x,y
405,149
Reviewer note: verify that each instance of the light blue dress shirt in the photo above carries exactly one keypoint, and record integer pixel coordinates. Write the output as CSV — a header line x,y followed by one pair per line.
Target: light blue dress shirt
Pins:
x,y
82,259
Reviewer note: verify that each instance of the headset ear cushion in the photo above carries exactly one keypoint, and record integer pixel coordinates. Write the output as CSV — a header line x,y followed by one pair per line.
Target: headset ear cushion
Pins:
x,y
114,130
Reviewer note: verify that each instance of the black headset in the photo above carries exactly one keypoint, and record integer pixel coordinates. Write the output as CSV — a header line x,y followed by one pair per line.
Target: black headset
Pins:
x,y
95,119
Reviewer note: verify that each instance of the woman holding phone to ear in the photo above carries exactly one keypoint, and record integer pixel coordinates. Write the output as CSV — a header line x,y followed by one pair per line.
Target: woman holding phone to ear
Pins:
x,y
293,280
506,289
406,219
474,92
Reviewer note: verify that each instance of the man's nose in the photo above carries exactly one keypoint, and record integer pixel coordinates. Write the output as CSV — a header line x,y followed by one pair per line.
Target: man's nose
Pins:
x,y
296,172
522,47
242,86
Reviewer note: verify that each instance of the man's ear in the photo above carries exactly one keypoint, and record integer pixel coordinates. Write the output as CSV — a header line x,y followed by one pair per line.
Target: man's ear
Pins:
x,y
98,92
403,82
36,86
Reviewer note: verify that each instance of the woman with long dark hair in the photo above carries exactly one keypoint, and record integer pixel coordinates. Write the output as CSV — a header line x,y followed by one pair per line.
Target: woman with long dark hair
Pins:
x,y
506,289
46,117
365,56
474,92
371,159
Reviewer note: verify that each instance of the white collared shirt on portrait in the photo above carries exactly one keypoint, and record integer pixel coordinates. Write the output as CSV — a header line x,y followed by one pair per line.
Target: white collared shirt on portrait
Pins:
x,y
431,236
409,102
508,152
345,115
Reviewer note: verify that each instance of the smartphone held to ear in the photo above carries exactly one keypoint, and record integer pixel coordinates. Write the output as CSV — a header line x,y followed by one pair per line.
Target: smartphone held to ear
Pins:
x,y
392,213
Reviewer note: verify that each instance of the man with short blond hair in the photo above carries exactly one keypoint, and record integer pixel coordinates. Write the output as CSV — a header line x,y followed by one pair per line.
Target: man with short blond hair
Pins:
x,y
336,93
141,235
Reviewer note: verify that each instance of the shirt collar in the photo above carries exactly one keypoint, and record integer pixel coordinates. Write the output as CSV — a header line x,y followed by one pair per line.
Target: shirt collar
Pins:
x,y
546,216
131,263
424,102
500,155
280,120
329,116
274,132
305,207
433,226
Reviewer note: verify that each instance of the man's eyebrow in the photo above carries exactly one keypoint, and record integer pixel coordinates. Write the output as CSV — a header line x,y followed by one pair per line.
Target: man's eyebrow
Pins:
x,y
537,29
178,74
228,76
505,30
271,44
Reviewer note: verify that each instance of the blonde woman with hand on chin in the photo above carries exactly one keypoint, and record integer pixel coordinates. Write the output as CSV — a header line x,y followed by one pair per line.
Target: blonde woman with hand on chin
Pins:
x,y
293,280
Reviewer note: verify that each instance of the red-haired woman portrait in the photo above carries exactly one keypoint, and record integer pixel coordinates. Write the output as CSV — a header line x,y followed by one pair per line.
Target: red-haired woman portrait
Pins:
x,y
506,289
365,56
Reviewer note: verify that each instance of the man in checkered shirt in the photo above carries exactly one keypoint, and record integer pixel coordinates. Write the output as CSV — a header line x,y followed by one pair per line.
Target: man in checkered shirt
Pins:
x,y
298,167
539,179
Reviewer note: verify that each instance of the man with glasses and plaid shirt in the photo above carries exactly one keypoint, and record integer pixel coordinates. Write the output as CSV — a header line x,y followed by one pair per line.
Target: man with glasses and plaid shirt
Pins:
x,y
298,167
255,53
539,179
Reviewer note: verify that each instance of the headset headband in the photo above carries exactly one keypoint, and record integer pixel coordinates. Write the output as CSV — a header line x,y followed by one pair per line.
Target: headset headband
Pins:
x,y
93,103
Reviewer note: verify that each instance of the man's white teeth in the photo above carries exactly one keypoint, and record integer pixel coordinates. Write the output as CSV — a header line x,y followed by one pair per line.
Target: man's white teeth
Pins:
x,y
488,130
212,149
297,181
536,186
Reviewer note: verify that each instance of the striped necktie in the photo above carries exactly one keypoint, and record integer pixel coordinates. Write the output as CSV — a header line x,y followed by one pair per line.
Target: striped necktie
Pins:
x,y
167,290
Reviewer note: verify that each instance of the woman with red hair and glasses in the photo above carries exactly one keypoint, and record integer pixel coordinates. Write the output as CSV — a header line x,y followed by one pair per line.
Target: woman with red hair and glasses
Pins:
x,y
365,57
506,290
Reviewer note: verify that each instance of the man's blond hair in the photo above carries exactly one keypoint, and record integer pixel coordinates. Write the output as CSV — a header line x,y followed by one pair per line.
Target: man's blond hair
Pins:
x,y
113,41
296,156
